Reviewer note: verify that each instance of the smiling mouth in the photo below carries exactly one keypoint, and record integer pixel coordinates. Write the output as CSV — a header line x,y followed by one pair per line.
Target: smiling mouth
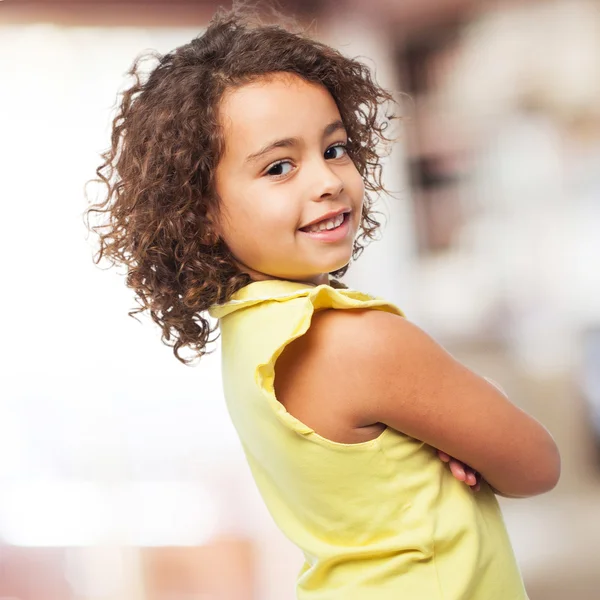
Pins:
x,y
327,224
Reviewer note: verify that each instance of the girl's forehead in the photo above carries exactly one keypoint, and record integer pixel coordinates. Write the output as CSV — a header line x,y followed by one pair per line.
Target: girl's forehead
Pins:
x,y
281,105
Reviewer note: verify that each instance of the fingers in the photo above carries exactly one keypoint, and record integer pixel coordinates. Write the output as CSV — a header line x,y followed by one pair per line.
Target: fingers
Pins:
x,y
464,473
457,469
443,456
461,471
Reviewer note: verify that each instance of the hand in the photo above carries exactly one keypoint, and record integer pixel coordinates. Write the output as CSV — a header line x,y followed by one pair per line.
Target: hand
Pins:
x,y
461,471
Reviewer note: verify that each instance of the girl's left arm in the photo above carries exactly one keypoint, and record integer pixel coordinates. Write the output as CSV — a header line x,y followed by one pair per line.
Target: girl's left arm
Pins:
x,y
379,368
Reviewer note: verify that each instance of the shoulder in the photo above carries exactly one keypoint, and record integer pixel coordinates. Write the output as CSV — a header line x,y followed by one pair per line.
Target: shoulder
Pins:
x,y
362,353
354,369
368,340
323,376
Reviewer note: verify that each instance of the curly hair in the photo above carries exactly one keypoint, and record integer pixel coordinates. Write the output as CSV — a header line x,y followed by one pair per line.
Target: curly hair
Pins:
x,y
166,141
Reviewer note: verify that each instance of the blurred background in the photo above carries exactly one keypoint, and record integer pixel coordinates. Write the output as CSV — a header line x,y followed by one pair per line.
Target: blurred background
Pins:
x,y
121,477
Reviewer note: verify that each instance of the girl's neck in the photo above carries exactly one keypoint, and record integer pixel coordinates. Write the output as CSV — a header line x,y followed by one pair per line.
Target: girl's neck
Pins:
x,y
320,279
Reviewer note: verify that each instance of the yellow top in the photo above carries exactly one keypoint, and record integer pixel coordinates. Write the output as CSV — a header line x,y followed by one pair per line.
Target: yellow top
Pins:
x,y
376,520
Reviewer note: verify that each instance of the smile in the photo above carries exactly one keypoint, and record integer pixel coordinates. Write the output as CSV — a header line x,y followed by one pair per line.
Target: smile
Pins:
x,y
330,223
329,230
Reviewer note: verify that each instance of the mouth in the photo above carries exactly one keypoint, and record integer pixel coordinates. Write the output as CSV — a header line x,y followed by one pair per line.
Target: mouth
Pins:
x,y
330,230
329,222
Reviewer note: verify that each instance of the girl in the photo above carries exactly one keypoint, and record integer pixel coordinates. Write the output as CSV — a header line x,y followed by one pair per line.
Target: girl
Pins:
x,y
239,182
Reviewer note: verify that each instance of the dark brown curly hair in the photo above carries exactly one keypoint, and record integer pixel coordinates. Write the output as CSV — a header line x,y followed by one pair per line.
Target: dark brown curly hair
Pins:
x,y
166,142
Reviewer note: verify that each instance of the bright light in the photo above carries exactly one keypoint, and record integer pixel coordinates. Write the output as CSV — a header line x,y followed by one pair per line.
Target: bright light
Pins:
x,y
59,514
167,514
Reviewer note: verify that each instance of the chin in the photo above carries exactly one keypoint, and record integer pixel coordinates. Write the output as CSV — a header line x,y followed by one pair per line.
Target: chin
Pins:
x,y
332,266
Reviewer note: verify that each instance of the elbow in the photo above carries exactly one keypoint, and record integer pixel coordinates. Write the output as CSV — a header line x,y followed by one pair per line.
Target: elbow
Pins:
x,y
539,476
545,466
545,474
550,474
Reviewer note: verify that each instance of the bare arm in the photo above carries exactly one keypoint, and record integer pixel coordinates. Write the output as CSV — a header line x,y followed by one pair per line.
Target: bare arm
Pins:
x,y
379,368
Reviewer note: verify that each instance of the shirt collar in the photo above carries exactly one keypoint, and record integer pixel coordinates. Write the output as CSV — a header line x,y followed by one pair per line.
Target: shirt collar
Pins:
x,y
260,291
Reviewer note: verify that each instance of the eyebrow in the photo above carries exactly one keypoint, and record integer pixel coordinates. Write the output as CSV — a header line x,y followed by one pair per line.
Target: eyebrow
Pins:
x,y
292,141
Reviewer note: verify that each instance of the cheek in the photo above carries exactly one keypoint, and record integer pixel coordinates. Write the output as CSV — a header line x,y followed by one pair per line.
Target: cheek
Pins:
x,y
238,227
356,188
253,227
357,193
267,212
257,216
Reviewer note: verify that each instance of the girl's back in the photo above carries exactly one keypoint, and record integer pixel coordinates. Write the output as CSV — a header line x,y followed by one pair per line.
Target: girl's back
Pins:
x,y
378,519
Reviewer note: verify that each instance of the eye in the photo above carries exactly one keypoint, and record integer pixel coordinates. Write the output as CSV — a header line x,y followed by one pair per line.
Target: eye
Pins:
x,y
340,148
278,169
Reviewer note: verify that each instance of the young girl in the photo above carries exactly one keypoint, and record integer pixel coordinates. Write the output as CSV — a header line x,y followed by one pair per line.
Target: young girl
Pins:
x,y
239,182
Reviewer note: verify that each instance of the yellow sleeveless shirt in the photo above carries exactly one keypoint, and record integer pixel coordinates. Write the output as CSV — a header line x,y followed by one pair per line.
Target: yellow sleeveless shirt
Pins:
x,y
376,520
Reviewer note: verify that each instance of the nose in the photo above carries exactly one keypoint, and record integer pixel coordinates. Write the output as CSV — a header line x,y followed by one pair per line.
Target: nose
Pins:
x,y
327,185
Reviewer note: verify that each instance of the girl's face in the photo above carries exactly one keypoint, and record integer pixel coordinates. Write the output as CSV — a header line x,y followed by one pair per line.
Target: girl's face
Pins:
x,y
290,196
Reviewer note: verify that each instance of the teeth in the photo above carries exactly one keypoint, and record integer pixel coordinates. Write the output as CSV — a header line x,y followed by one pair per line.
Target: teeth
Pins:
x,y
326,225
